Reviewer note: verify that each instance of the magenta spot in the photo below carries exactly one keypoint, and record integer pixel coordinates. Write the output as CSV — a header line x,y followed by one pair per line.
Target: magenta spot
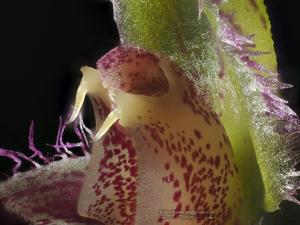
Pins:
x,y
177,210
117,151
176,196
133,171
183,161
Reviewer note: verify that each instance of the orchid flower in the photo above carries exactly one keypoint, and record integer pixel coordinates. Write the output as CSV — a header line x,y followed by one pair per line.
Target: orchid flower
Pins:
x,y
189,129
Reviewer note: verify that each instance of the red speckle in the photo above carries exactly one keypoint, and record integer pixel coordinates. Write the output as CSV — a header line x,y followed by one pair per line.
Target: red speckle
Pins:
x,y
133,171
198,134
193,198
173,146
202,159
183,161
171,177
207,146
176,184
221,144
195,155
176,196
167,166
177,210
225,138
117,151
186,177
217,161
160,219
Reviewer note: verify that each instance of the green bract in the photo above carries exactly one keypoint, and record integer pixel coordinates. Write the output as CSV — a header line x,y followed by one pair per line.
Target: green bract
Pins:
x,y
228,52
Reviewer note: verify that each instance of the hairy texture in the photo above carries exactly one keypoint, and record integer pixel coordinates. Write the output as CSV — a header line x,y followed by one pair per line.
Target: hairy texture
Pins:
x,y
48,193
138,70
228,53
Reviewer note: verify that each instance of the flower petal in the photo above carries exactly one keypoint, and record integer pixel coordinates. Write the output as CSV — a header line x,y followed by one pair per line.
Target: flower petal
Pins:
x,y
47,195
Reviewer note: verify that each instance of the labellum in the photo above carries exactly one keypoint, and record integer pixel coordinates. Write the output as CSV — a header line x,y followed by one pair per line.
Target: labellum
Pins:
x,y
188,129
167,151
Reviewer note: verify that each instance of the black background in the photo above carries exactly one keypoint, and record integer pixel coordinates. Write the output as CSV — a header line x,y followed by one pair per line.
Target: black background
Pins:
x,y
43,45
45,42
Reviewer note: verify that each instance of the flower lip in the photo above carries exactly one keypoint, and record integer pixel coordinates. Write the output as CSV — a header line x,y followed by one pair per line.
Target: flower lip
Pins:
x,y
133,71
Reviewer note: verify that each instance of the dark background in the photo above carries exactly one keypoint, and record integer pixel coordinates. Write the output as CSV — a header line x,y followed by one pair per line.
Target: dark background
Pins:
x,y
43,45
45,42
